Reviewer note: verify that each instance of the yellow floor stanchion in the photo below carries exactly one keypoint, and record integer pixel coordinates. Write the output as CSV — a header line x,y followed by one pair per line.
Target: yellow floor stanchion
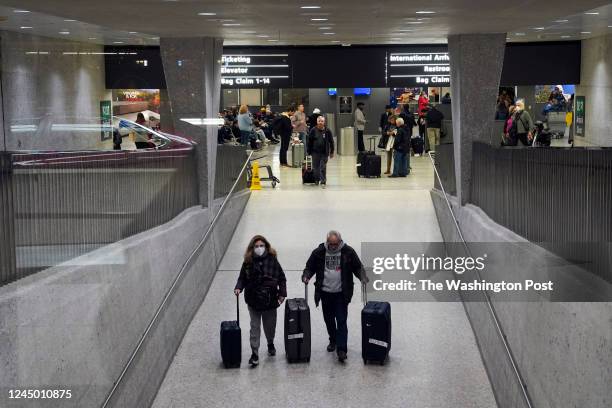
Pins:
x,y
255,181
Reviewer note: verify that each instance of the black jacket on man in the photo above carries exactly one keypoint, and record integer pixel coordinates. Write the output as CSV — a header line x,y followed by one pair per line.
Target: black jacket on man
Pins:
x,y
384,119
263,281
434,118
314,143
350,265
402,140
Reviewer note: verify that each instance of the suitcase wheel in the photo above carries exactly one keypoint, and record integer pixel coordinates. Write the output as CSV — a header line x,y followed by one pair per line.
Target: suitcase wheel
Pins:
x,y
365,362
273,184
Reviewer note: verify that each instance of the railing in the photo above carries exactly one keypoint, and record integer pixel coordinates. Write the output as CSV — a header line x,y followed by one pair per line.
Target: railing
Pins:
x,y
230,160
188,264
57,206
560,196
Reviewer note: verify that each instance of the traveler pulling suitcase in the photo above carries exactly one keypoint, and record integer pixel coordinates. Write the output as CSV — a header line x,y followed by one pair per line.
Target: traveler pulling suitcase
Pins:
x,y
297,154
297,329
308,176
231,341
375,330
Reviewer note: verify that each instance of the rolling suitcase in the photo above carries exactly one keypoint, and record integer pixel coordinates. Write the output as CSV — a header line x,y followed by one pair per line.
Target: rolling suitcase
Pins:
x,y
417,144
231,341
370,166
375,330
360,157
308,176
297,329
297,154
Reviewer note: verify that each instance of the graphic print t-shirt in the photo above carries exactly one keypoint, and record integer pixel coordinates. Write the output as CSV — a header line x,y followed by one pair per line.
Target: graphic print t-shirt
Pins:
x,y
332,281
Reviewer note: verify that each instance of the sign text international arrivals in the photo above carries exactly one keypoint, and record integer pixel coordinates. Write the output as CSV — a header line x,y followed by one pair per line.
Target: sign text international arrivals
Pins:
x,y
418,68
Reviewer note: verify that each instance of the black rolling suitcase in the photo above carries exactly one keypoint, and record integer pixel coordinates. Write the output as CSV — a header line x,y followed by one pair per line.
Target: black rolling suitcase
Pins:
x,y
308,176
375,330
370,166
297,329
231,341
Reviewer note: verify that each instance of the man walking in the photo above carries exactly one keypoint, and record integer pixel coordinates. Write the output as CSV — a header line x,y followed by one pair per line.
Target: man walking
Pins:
x,y
321,147
334,263
434,118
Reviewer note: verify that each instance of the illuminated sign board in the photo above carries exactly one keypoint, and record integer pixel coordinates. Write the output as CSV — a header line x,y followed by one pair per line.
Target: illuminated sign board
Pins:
x,y
418,69
255,70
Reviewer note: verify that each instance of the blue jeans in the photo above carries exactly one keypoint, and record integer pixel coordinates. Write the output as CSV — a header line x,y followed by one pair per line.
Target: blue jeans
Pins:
x,y
245,136
335,314
400,164
302,136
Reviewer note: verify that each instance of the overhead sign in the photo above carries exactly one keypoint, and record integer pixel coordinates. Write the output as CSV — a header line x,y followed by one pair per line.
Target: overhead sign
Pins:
x,y
255,70
418,69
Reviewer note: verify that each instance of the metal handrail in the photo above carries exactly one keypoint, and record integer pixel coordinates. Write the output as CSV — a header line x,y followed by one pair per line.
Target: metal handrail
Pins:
x,y
500,330
186,265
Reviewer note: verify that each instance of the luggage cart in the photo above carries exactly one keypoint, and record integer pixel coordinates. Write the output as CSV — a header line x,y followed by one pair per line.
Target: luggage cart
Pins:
x,y
270,177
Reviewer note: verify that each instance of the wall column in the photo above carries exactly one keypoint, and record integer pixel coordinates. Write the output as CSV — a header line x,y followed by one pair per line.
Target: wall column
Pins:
x,y
192,67
476,62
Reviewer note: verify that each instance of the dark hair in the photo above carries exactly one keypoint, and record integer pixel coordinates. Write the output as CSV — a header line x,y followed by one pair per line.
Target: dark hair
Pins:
x,y
248,255
140,116
291,108
387,107
359,104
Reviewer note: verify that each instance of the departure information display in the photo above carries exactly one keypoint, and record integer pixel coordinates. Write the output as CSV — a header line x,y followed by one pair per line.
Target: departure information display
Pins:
x,y
255,70
418,69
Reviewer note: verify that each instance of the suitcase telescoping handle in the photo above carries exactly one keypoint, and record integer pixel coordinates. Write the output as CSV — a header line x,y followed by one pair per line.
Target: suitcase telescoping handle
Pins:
x,y
238,310
306,292
364,293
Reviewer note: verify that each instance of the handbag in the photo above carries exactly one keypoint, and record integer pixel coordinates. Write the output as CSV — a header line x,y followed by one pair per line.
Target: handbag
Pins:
x,y
390,143
382,143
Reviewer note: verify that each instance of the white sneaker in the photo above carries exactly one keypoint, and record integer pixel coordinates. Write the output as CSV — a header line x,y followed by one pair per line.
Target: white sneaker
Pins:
x,y
417,155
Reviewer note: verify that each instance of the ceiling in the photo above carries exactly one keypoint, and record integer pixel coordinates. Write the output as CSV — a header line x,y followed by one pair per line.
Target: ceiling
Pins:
x,y
271,23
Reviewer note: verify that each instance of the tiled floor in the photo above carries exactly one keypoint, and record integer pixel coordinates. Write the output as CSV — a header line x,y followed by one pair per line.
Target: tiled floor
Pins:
x,y
434,360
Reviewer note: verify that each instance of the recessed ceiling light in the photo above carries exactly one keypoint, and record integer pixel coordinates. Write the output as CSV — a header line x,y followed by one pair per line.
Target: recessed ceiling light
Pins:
x,y
207,14
324,28
92,38
117,42
585,32
248,32
609,26
565,36
132,32
592,13
25,28
272,40
231,24
263,36
561,21
318,19
539,28
406,31
20,11
329,33
310,7
395,39
414,22
519,33
335,41
69,20
426,12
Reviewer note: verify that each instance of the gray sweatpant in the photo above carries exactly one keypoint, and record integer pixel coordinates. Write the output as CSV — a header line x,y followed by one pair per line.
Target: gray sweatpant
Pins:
x,y
268,317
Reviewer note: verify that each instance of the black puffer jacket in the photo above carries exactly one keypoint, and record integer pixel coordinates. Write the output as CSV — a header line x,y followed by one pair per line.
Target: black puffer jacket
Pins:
x,y
350,265
263,281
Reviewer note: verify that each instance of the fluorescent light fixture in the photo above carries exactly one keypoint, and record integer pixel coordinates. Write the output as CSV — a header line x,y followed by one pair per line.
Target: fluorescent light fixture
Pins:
x,y
519,33
585,32
20,11
64,32
324,28
426,12
335,41
318,19
539,28
69,20
561,21
310,7
414,22
92,38
133,32
272,40
610,26
565,36
248,32
231,24
25,28
329,33
207,14
263,36
117,42
592,13
406,31
204,121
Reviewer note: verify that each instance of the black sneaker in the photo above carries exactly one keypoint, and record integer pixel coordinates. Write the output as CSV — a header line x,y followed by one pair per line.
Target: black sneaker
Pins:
x,y
341,355
331,347
271,350
254,360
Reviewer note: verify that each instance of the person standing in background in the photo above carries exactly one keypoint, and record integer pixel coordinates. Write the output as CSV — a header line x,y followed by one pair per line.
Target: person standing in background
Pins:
x,y
312,119
298,122
245,124
423,105
284,129
360,122
384,119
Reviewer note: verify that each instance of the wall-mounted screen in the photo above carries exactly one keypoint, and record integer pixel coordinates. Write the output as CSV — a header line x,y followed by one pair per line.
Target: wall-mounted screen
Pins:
x,y
362,91
332,91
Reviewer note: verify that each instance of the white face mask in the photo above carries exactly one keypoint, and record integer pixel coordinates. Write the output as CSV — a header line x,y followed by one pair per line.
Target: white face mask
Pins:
x,y
259,251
